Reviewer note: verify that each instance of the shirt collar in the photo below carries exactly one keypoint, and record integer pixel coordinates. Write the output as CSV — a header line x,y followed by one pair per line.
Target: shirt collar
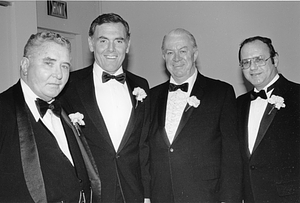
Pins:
x,y
98,70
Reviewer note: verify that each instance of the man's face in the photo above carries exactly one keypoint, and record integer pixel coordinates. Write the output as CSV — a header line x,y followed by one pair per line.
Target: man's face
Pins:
x,y
110,45
259,76
46,70
180,56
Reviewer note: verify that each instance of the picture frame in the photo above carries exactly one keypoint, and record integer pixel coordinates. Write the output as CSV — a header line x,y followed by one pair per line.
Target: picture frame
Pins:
x,y
57,9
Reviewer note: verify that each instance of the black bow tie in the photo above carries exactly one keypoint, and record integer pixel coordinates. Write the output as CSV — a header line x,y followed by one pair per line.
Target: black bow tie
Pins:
x,y
184,87
106,77
262,94
43,106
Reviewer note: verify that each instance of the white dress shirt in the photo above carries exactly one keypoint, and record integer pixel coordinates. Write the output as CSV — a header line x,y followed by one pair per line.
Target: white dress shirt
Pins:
x,y
256,112
52,122
114,102
176,104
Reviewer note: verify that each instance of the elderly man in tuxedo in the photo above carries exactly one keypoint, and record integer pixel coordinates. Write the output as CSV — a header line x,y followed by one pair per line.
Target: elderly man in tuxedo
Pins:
x,y
40,152
269,123
116,107
194,151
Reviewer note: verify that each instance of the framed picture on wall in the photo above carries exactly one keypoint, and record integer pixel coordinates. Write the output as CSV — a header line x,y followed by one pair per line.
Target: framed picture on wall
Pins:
x,y
57,8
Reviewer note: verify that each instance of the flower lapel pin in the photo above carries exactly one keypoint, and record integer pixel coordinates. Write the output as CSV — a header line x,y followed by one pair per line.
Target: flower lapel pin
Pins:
x,y
77,120
139,94
192,101
277,101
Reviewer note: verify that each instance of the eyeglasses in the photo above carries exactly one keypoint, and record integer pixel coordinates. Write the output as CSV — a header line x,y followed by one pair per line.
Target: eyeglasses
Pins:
x,y
258,61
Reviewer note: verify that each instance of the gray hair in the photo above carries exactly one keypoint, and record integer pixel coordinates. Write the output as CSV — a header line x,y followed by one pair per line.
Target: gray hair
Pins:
x,y
38,39
180,31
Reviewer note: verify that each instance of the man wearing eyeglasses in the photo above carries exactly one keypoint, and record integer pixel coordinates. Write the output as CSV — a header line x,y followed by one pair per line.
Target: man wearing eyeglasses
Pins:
x,y
269,124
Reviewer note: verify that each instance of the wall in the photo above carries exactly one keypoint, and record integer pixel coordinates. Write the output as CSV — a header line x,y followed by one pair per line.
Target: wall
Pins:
x,y
80,15
219,28
14,35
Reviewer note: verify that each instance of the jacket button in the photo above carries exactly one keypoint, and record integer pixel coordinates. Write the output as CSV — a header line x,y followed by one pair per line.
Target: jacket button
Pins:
x,y
117,156
171,150
80,181
252,167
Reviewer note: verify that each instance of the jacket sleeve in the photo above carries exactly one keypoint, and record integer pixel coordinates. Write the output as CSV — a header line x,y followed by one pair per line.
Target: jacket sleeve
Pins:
x,y
231,171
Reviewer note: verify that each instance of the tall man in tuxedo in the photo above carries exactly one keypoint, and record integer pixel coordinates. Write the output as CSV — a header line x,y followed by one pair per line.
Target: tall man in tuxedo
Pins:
x,y
40,153
269,126
194,152
116,107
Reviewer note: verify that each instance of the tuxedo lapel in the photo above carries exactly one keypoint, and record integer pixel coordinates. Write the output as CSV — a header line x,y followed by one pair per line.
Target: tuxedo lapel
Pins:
x,y
270,111
162,108
264,124
128,131
28,148
85,89
244,121
133,115
198,92
87,157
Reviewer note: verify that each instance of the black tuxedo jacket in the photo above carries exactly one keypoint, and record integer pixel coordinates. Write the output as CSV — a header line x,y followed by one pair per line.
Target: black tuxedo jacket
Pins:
x,y
32,166
272,170
123,171
203,164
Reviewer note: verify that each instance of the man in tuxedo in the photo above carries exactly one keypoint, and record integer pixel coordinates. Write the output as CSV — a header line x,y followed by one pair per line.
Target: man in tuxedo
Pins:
x,y
269,124
40,153
194,152
116,107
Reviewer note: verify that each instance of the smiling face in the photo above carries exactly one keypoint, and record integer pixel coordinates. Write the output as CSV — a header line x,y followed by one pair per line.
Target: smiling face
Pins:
x,y
46,70
180,56
110,45
259,76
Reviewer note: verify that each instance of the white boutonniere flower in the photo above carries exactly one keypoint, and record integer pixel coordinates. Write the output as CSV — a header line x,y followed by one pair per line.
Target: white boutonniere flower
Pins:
x,y
139,94
277,101
193,101
77,118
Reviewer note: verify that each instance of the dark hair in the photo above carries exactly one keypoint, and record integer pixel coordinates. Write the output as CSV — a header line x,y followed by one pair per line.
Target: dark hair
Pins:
x,y
265,40
38,39
108,18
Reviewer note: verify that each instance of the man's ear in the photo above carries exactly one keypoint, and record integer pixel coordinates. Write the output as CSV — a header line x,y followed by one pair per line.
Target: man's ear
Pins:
x,y
24,65
276,60
195,55
128,46
163,54
90,41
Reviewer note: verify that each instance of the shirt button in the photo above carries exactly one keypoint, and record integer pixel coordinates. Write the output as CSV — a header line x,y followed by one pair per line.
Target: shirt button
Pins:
x,y
171,150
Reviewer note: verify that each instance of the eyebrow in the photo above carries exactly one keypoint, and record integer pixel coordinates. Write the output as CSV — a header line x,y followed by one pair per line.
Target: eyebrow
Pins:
x,y
53,60
49,59
118,38
252,57
184,47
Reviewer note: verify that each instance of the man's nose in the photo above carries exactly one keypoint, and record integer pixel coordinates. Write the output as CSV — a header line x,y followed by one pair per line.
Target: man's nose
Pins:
x,y
177,57
111,46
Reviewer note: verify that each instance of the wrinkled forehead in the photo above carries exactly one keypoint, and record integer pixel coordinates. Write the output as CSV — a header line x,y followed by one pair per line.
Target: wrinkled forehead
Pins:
x,y
177,41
